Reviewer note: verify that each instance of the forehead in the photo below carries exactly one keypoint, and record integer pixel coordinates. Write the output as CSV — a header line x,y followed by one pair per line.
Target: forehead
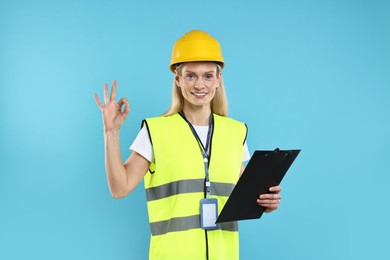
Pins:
x,y
200,66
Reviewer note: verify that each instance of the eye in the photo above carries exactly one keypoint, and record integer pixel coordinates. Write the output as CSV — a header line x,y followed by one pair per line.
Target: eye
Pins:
x,y
209,77
190,77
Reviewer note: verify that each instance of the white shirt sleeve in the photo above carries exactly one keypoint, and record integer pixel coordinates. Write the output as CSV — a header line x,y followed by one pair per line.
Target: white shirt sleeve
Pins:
x,y
143,146
245,153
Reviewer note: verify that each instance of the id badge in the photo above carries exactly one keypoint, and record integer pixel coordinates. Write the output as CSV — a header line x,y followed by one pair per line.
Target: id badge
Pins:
x,y
208,213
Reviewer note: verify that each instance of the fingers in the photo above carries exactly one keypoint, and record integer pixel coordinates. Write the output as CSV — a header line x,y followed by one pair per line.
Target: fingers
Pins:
x,y
270,201
98,102
124,101
269,197
112,94
275,189
113,91
106,93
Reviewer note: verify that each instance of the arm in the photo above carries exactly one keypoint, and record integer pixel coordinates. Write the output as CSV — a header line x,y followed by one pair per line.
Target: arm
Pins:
x,y
270,200
122,178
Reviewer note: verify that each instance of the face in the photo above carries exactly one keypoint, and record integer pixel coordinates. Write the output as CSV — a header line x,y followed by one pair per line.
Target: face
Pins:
x,y
198,82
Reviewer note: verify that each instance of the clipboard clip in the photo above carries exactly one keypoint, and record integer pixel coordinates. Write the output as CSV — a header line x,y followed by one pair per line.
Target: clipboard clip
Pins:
x,y
277,150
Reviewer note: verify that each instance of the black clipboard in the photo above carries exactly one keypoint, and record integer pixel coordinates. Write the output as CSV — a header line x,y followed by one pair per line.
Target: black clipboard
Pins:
x,y
264,170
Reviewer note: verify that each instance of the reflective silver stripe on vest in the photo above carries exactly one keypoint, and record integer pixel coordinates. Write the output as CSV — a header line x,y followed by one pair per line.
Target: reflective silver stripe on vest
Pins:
x,y
221,189
187,186
185,223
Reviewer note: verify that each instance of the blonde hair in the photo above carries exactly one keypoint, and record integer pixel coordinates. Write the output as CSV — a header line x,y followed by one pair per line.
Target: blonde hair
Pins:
x,y
218,105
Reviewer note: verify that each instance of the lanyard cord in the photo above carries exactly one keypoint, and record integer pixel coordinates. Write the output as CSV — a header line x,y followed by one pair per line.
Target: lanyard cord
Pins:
x,y
204,150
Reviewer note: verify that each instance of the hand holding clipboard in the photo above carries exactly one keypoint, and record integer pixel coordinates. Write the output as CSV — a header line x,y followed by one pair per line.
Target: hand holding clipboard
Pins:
x,y
264,170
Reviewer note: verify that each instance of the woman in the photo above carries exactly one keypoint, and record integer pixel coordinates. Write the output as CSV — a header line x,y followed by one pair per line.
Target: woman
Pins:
x,y
190,154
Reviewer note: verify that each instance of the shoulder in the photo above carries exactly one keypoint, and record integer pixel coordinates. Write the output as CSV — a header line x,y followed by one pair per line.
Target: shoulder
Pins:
x,y
228,121
229,126
160,119
165,123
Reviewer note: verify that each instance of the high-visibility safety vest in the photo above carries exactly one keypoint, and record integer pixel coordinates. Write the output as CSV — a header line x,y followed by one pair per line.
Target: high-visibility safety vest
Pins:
x,y
175,184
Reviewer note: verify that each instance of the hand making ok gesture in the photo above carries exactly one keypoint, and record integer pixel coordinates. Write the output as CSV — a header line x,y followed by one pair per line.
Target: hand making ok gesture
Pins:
x,y
113,116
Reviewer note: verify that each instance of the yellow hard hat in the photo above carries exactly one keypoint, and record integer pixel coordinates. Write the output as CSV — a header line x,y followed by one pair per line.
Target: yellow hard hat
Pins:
x,y
196,45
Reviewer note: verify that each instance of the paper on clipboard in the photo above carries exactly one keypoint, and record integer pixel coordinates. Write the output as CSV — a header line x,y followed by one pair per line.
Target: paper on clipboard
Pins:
x,y
264,170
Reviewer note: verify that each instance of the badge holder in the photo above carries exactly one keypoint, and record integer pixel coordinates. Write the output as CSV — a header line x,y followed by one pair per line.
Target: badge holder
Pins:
x,y
208,213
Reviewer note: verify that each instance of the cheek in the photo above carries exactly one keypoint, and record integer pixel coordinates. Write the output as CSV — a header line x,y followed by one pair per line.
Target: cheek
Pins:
x,y
213,91
215,86
217,82
184,90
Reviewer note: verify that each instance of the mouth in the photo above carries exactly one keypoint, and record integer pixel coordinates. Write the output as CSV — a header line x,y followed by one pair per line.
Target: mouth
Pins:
x,y
199,94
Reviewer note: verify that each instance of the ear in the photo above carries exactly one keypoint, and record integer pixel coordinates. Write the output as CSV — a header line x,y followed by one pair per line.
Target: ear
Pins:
x,y
177,82
219,78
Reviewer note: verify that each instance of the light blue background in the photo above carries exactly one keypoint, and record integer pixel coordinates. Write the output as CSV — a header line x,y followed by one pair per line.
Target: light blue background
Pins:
x,y
302,74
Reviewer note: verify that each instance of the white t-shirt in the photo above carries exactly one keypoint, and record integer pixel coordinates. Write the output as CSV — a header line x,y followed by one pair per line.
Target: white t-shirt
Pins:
x,y
143,146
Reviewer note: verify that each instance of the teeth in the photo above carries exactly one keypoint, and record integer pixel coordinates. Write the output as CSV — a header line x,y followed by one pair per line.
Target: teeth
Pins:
x,y
199,94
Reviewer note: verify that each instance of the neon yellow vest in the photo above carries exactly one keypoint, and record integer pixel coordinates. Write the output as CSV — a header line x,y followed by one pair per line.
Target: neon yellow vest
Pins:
x,y
175,185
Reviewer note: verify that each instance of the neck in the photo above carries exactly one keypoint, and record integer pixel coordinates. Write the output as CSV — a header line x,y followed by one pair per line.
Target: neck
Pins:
x,y
200,116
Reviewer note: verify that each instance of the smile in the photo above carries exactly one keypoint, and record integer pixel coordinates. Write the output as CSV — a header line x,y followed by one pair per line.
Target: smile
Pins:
x,y
199,94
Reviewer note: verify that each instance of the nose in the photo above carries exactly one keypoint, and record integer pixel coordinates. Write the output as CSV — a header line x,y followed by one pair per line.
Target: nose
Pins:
x,y
199,84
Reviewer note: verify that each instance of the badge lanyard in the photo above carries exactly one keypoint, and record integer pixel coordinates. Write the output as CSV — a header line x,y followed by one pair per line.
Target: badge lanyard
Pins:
x,y
204,150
